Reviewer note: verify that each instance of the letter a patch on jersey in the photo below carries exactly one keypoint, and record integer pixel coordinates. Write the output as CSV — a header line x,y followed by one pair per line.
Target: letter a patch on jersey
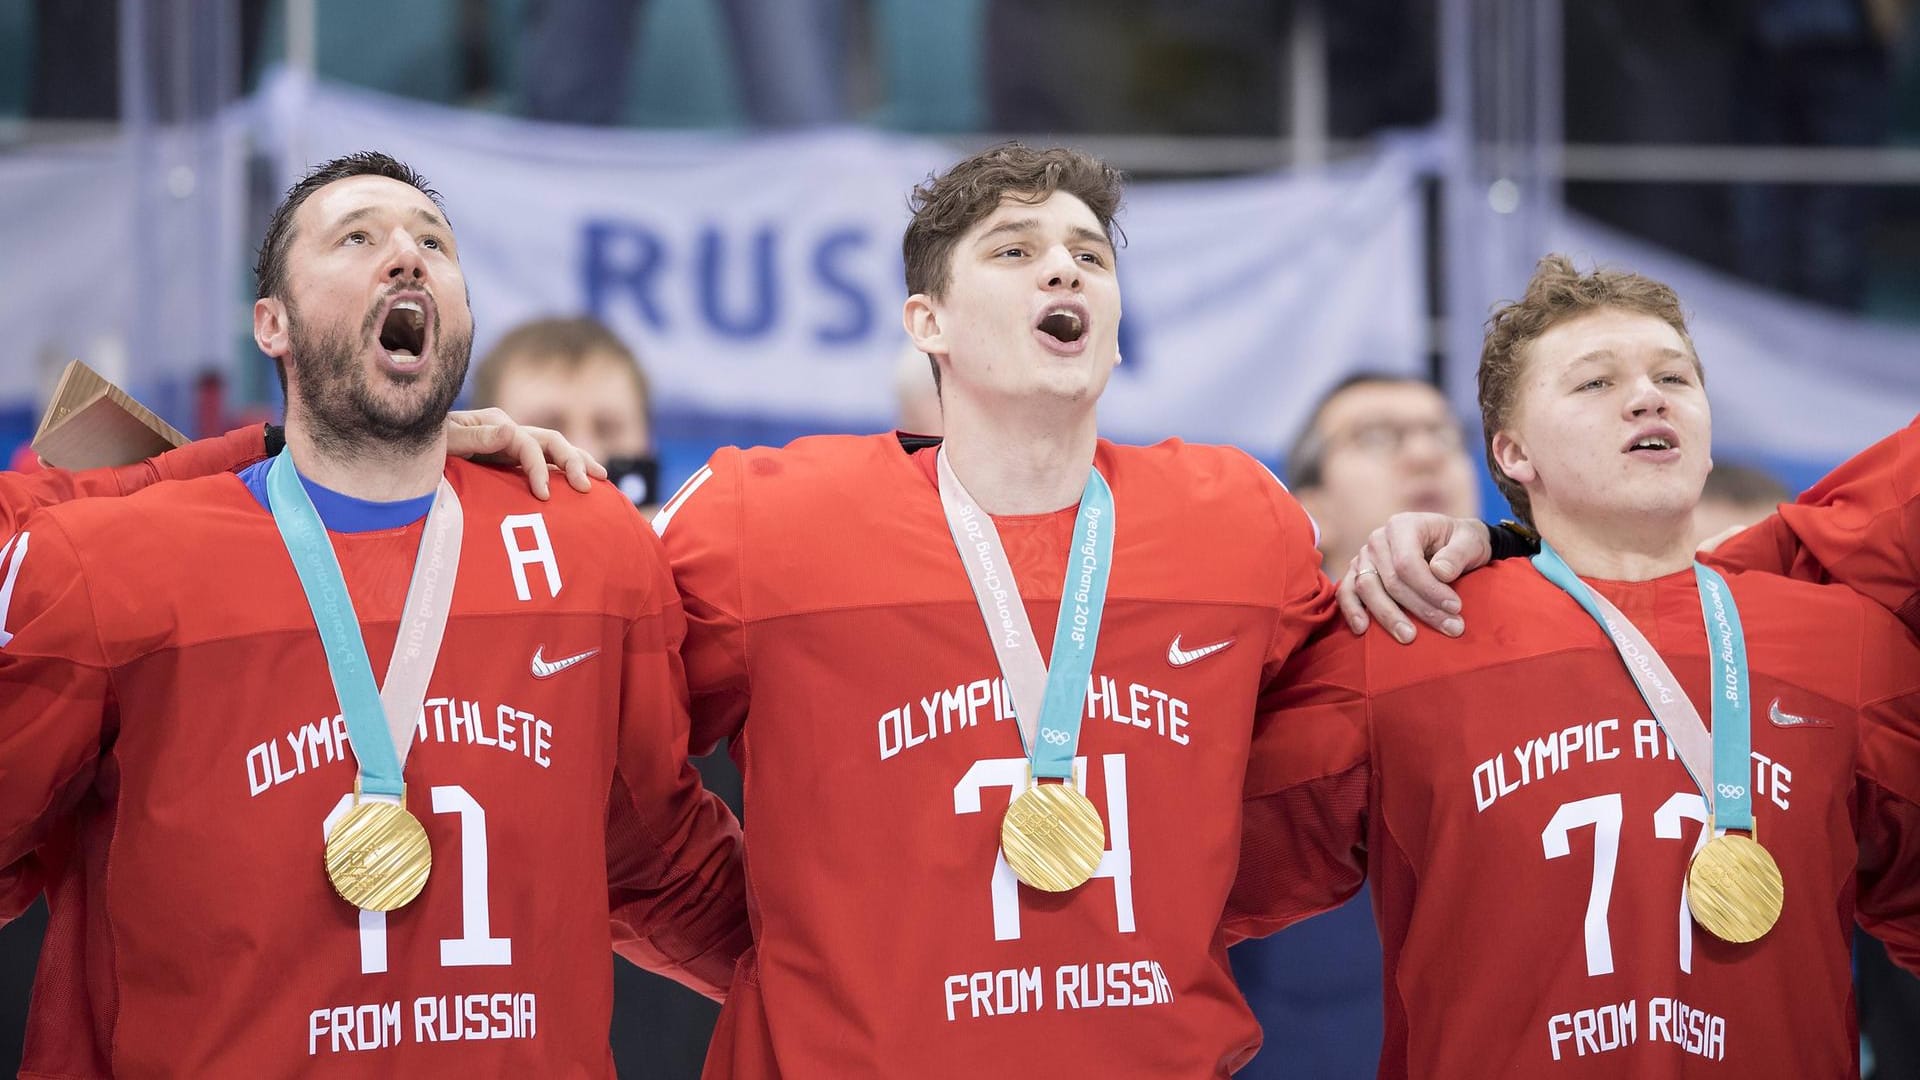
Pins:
x,y
11,556
540,554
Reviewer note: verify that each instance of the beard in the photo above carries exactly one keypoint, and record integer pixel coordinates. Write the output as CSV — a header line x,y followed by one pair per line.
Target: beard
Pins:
x,y
343,410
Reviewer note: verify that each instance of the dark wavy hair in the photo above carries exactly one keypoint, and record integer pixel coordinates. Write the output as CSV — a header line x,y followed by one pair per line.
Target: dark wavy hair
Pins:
x,y
949,204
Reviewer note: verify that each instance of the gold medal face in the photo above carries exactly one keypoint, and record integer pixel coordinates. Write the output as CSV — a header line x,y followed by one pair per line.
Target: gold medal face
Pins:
x,y
1734,888
378,857
1052,837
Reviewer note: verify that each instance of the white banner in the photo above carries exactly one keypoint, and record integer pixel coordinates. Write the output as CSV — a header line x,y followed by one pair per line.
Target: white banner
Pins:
x,y
66,221
760,276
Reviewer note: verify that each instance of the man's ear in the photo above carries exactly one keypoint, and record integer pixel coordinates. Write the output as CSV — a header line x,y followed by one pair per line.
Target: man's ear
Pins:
x,y
1513,458
921,320
271,329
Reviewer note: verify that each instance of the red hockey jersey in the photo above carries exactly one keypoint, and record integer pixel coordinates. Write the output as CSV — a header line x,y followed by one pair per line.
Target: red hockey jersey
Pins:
x,y
1527,829
167,718
1860,527
833,635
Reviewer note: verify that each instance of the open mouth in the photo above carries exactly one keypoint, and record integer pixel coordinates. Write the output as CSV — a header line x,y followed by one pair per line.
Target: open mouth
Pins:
x,y
403,333
1655,444
1063,325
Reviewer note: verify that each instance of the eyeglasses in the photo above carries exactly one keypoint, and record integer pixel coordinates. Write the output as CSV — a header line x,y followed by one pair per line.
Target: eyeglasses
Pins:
x,y
1384,438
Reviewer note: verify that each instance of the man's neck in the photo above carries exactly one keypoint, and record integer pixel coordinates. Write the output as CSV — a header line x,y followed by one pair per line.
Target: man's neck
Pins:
x,y
1640,550
1020,464
375,472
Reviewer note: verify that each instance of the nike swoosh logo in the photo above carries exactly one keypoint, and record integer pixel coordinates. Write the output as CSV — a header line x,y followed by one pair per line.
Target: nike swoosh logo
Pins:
x,y
1787,719
1179,657
547,669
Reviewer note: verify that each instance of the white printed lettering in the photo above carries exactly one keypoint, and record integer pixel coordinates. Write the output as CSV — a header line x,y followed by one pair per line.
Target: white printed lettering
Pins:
x,y
519,558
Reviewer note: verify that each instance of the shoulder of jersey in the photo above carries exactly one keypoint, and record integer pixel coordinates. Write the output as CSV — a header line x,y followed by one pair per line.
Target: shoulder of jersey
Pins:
x,y
1512,594
1511,613
186,506
1189,478
504,487
1511,590
1817,610
598,527
806,471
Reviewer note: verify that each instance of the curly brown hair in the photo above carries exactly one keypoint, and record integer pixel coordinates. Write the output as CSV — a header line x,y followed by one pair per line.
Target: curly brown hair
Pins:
x,y
1557,292
949,204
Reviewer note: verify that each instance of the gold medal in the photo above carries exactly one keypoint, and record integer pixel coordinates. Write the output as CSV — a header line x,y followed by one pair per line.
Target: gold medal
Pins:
x,y
378,857
1052,837
1734,888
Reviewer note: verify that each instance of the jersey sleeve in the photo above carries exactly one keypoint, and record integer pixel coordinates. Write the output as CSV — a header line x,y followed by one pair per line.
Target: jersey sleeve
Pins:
x,y
1860,527
23,493
1302,842
1888,787
702,528
56,689
1304,814
677,886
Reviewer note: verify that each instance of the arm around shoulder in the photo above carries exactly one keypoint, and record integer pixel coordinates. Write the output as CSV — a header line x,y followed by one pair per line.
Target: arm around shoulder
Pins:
x,y
23,493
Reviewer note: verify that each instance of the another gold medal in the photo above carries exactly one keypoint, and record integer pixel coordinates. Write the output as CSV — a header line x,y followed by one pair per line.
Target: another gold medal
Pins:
x,y
1734,888
1052,837
378,857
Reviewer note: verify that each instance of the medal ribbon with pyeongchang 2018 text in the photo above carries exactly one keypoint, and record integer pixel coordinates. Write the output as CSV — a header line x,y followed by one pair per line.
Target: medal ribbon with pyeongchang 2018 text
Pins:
x,y
377,855
1733,886
1052,836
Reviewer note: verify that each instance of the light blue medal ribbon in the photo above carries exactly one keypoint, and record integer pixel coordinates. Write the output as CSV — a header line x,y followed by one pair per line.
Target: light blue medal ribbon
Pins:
x,y
1732,707
1050,697
313,559
1729,745
1052,837
1083,599
380,722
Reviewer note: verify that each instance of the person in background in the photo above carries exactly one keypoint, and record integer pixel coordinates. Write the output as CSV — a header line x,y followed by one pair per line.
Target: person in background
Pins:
x,y
577,377
1376,444
1735,497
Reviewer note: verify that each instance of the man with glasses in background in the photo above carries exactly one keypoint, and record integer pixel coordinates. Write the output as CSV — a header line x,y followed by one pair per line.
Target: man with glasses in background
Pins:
x,y
1376,444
